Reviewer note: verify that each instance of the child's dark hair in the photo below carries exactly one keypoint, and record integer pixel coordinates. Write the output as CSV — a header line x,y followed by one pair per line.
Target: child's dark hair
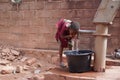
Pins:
x,y
75,26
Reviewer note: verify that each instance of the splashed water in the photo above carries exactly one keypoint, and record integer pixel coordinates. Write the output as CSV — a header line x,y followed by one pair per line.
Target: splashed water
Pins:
x,y
75,43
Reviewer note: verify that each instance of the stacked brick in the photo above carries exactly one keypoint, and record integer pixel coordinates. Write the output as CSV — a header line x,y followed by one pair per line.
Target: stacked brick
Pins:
x,y
33,25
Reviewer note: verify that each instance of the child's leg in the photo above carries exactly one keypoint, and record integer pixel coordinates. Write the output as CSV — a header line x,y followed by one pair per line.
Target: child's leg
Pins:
x,y
60,53
61,58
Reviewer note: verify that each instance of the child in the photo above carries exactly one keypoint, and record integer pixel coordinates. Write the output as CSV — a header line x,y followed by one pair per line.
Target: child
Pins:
x,y
66,31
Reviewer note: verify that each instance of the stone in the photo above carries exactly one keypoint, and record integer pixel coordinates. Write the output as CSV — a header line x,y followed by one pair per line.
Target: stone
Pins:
x,y
19,69
5,72
7,69
31,61
38,65
11,58
37,71
23,59
4,62
6,50
3,54
25,67
14,52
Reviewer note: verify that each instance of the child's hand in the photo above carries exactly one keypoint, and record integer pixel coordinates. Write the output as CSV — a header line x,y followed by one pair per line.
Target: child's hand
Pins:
x,y
74,36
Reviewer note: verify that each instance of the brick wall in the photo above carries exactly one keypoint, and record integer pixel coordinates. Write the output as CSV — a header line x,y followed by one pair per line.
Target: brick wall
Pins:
x,y
114,30
33,24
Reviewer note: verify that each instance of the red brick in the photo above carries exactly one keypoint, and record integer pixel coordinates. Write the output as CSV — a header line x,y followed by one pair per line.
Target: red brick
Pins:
x,y
111,41
96,3
43,13
84,40
118,13
79,13
53,45
31,61
6,72
27,0
114,30
52,5
55,0
40,5
5,6
39,22
51,22
4,15
69,13
85,22
32,5
64,5
76,4
115,24
14,15
55,13
4,23
41,45
89,5
20,15
30,30
116,20
89,13
29,14
25,6
4,1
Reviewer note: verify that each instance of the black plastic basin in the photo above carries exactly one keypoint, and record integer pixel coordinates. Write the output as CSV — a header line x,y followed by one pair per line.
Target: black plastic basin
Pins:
x,y
79,61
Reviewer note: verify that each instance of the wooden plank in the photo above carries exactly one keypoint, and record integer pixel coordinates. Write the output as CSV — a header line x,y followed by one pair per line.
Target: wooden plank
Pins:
x,y
106,11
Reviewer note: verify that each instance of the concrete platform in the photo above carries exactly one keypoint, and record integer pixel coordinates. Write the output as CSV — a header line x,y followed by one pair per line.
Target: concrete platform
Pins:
x,y
111,73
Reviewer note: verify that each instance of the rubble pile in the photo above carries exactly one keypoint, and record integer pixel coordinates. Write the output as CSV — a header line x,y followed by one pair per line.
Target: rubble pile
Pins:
x,y
13,61
25,62
9,54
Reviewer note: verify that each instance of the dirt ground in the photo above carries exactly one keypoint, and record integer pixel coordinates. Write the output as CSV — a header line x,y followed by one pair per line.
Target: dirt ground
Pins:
x,y
33,64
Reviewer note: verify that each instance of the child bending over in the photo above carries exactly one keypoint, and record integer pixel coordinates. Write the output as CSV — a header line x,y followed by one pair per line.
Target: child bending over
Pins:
x,y
66,31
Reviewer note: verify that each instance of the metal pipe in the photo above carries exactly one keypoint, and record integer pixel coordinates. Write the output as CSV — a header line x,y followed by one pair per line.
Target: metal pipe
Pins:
x,y
87,31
